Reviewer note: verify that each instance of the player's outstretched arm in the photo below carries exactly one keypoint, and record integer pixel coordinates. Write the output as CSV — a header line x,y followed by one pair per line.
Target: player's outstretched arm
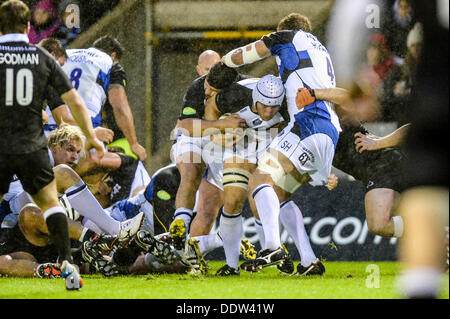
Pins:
x,y
370,142
334,95
81,116
93,164
248,54
124,118
198,128
61,114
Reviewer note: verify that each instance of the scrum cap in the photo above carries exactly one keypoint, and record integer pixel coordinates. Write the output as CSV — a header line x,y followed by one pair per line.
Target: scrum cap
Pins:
x,y
269,90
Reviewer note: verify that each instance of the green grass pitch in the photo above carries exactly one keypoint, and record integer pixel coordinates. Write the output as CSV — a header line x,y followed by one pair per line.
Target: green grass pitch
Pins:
x,y
342,280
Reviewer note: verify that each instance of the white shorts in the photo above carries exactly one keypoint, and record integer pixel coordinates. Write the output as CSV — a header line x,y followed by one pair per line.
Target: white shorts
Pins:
x,y
187,144
214,174
312,155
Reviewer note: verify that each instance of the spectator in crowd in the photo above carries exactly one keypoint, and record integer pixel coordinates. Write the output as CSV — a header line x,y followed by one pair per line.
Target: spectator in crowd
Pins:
x,y
379,56
44,22
396,89
398,23
374,70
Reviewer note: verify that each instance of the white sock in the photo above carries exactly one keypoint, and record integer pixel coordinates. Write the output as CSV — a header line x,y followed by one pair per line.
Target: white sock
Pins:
x,y
268,207
86,204
184,214
209,242
91,225
420,282
129,208
292,220
260,232
398,226
231,229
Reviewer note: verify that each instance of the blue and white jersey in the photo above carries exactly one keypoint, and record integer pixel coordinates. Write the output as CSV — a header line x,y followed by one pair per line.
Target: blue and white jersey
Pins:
x,y
303,62
89,70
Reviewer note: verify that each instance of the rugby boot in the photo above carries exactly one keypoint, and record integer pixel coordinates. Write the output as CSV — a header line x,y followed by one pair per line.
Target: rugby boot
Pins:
x,y
316,268
101,263
48,271
247,249
227,271
194,258
178,232
164,252
264,259
287,266
72,278
130,227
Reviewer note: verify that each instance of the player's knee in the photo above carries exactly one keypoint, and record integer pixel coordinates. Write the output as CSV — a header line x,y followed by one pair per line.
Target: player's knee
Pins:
x,y
30,216
232,206
258,178
65,177
66,172
377,226
5,262
32,225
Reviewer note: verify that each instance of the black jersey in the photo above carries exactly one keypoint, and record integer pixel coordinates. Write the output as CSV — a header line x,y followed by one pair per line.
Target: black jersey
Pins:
x,y
194,99
26,72
121,179
118,76
53,99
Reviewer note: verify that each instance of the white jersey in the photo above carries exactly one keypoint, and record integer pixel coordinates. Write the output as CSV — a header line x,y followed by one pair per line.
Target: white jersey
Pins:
x,y
257,136
303,62
89,70
253,120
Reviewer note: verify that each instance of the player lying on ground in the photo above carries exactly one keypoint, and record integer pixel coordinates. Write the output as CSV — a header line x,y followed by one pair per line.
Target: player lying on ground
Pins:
x,y
159,197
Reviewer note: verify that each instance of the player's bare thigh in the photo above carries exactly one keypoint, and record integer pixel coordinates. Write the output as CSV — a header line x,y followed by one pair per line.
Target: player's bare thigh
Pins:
x,y
380,204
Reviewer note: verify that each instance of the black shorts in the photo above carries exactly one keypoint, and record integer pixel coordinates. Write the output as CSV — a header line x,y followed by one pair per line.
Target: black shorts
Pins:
x,y
375,169
33,170
12,240
386,172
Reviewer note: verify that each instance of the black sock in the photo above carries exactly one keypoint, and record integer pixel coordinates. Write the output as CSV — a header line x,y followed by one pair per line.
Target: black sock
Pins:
x,y
59,235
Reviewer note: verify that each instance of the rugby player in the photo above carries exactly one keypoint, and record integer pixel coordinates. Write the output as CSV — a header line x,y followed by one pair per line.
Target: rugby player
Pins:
x,y
187,153
26,66
56,111
376,162
119,116
304,149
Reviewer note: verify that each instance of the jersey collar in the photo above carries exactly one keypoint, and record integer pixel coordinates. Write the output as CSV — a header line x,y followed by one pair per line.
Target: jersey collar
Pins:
x,y
14,37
